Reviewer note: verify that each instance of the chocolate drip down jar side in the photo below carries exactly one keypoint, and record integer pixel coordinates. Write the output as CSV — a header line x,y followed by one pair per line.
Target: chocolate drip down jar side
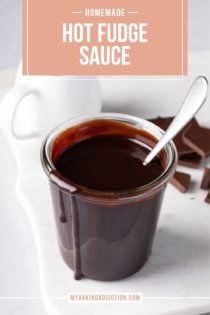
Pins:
x,y
105,235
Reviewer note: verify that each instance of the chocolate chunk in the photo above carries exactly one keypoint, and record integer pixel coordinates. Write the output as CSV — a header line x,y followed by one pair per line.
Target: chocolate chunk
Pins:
x,y
198,139
181,181
205,183
162,122
182,149
191,160
207,199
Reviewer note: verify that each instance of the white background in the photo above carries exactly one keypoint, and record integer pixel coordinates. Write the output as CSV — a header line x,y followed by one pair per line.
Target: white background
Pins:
x,y
18,260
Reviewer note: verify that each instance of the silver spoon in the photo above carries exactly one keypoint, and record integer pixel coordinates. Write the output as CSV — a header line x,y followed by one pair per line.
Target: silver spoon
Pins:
x,y
193,101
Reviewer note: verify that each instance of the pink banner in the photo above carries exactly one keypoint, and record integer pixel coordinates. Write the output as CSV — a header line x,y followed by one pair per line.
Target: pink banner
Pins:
x,y
112,37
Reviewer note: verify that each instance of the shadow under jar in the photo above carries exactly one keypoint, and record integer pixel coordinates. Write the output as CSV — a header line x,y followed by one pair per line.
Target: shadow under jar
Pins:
x,y
106,202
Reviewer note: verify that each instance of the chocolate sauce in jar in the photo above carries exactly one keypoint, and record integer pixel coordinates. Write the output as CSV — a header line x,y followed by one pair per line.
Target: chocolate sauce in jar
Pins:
x,y
105,224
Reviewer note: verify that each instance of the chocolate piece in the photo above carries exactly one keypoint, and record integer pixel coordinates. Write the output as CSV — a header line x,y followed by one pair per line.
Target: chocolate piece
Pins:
x,y
182,149
181,181
192,160
198,139
207,199
205,183
162,122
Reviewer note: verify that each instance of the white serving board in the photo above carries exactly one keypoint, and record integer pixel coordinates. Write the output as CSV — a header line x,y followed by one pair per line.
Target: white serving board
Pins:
x,y
176,279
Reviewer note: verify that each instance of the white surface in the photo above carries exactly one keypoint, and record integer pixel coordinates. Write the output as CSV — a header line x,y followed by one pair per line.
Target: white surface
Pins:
x,y
179,265
19,272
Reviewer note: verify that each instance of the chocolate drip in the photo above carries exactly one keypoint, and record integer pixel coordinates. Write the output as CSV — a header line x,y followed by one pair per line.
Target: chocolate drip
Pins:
x,y
76,239
62,216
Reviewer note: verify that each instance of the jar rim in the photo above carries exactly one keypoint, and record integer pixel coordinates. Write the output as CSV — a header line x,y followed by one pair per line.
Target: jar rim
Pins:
x,y
139,123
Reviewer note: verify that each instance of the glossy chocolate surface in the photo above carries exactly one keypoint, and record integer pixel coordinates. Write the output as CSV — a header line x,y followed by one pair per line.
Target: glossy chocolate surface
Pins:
x,y
108,163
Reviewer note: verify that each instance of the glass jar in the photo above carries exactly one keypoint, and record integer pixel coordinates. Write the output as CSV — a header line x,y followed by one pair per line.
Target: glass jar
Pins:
x,y
103,235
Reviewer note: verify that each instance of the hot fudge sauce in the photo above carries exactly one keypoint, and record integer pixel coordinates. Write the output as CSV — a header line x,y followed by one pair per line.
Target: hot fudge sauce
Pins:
x,y
108,163
106,202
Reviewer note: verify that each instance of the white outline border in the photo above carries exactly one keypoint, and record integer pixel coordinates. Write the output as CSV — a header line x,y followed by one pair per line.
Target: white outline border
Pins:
x,y
116,78
206,298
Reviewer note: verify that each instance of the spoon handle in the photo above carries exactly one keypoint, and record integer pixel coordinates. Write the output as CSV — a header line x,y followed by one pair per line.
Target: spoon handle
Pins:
x,y
192,103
